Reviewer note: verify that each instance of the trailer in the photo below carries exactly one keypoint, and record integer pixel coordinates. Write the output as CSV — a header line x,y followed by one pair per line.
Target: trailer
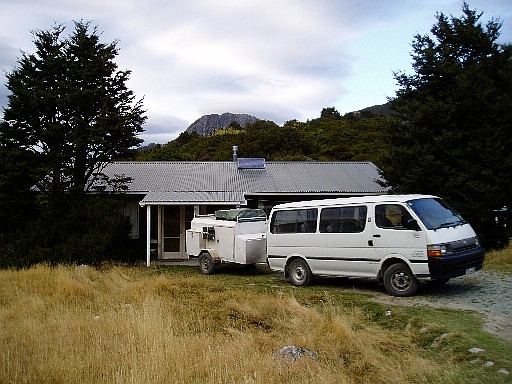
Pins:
x,y
229,236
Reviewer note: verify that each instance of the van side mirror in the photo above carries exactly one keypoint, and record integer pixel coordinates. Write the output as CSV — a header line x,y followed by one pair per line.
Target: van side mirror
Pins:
x,y
412,224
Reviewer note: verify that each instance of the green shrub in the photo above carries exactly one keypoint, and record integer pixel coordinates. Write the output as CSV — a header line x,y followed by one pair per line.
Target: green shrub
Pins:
x,y
90,231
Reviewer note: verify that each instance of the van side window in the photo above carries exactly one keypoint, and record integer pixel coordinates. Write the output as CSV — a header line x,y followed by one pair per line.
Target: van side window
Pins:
x,y
343,219
294,221
391,216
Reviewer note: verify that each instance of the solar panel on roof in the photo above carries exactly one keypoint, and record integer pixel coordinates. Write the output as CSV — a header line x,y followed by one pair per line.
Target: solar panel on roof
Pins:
x,y
251,163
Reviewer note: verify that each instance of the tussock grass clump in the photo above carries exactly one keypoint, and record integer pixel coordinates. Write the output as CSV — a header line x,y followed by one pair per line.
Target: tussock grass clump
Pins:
x,y
499,260
138,325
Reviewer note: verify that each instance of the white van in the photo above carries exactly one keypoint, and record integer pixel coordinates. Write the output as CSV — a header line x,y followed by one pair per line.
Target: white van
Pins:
x,y
396,239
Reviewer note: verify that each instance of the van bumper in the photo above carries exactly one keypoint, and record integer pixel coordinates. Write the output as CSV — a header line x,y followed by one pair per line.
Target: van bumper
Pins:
x,y
460,264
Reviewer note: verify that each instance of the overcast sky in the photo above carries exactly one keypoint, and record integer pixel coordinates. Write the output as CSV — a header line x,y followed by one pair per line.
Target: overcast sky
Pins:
x,y
278,60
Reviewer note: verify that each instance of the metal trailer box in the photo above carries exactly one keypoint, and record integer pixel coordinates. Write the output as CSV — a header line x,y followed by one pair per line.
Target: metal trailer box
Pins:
x,y
195,242
250,248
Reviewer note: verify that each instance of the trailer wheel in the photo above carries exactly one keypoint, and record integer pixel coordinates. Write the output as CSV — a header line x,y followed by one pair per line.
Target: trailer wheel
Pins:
x,y
299,273
399,280
206,264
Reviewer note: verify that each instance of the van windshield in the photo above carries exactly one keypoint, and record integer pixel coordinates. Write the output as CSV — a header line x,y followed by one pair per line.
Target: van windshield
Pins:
x,y
435,213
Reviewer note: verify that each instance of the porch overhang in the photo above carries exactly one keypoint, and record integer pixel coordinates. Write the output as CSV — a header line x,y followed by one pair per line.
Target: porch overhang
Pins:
x,y
186,198
193,197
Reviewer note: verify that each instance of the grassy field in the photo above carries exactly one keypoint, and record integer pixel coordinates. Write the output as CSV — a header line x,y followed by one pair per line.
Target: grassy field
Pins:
x,y
124,324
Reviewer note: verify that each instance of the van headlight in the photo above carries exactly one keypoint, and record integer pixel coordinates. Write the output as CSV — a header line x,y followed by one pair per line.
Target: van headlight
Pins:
x,y
436,250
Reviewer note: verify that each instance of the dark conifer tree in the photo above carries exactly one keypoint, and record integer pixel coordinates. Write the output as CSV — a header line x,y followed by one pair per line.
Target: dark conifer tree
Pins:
x,y
69,114
69,104
454,132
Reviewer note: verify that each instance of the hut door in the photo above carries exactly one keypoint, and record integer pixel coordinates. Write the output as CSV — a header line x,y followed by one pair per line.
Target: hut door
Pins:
x,y
175,219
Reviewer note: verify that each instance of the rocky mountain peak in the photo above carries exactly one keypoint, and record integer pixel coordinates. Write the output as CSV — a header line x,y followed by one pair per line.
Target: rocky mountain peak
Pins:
x,y
208,124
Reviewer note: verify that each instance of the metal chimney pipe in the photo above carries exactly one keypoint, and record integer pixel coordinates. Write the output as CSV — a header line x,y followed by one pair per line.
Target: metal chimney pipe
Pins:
x,y
235,154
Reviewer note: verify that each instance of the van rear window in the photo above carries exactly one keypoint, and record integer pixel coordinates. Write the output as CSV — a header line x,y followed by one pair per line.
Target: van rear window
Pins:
x,y
343,219
294,221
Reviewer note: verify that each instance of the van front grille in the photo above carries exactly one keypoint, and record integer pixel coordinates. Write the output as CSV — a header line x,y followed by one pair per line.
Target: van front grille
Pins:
x,y
464,245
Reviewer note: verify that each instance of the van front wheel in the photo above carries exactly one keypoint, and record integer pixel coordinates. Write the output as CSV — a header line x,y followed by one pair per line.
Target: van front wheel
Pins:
x,y
299,273
399,280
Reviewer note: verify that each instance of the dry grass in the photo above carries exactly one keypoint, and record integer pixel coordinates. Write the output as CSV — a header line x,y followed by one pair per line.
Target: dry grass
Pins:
x,y
500,260
138,325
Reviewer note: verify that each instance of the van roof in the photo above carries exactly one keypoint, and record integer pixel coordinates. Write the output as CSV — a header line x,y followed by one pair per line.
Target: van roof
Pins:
x,y
353,200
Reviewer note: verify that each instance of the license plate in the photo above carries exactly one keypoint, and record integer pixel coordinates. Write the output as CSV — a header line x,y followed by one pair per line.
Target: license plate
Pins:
x,y
470,271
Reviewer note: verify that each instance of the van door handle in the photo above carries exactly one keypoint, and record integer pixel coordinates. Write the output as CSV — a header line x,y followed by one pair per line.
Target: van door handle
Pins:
x,y
376,235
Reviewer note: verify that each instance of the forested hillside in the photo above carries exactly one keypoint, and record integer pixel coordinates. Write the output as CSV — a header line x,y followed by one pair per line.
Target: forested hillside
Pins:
x,y
329,137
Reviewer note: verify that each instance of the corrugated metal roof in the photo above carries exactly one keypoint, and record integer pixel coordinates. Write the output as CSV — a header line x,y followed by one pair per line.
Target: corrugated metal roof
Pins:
x,y
219,181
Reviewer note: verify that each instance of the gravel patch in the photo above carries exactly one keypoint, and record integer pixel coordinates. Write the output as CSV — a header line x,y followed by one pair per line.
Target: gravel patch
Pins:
x,y
487,292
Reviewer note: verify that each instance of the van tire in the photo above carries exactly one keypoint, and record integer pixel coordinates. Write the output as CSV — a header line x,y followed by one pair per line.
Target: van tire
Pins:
x,y
299,273
399,280
206,264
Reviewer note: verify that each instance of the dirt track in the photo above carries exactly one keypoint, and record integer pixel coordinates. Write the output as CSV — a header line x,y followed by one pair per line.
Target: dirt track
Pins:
x,y
487,292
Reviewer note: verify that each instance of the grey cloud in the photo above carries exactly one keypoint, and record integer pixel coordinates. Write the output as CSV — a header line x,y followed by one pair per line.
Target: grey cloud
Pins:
x,y
277,60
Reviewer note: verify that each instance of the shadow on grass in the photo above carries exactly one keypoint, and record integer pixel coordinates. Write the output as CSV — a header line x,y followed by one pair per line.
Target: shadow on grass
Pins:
x,y
454,288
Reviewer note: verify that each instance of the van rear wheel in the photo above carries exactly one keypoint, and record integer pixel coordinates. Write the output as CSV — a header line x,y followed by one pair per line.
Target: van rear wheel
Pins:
x,y
299,273
399,280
